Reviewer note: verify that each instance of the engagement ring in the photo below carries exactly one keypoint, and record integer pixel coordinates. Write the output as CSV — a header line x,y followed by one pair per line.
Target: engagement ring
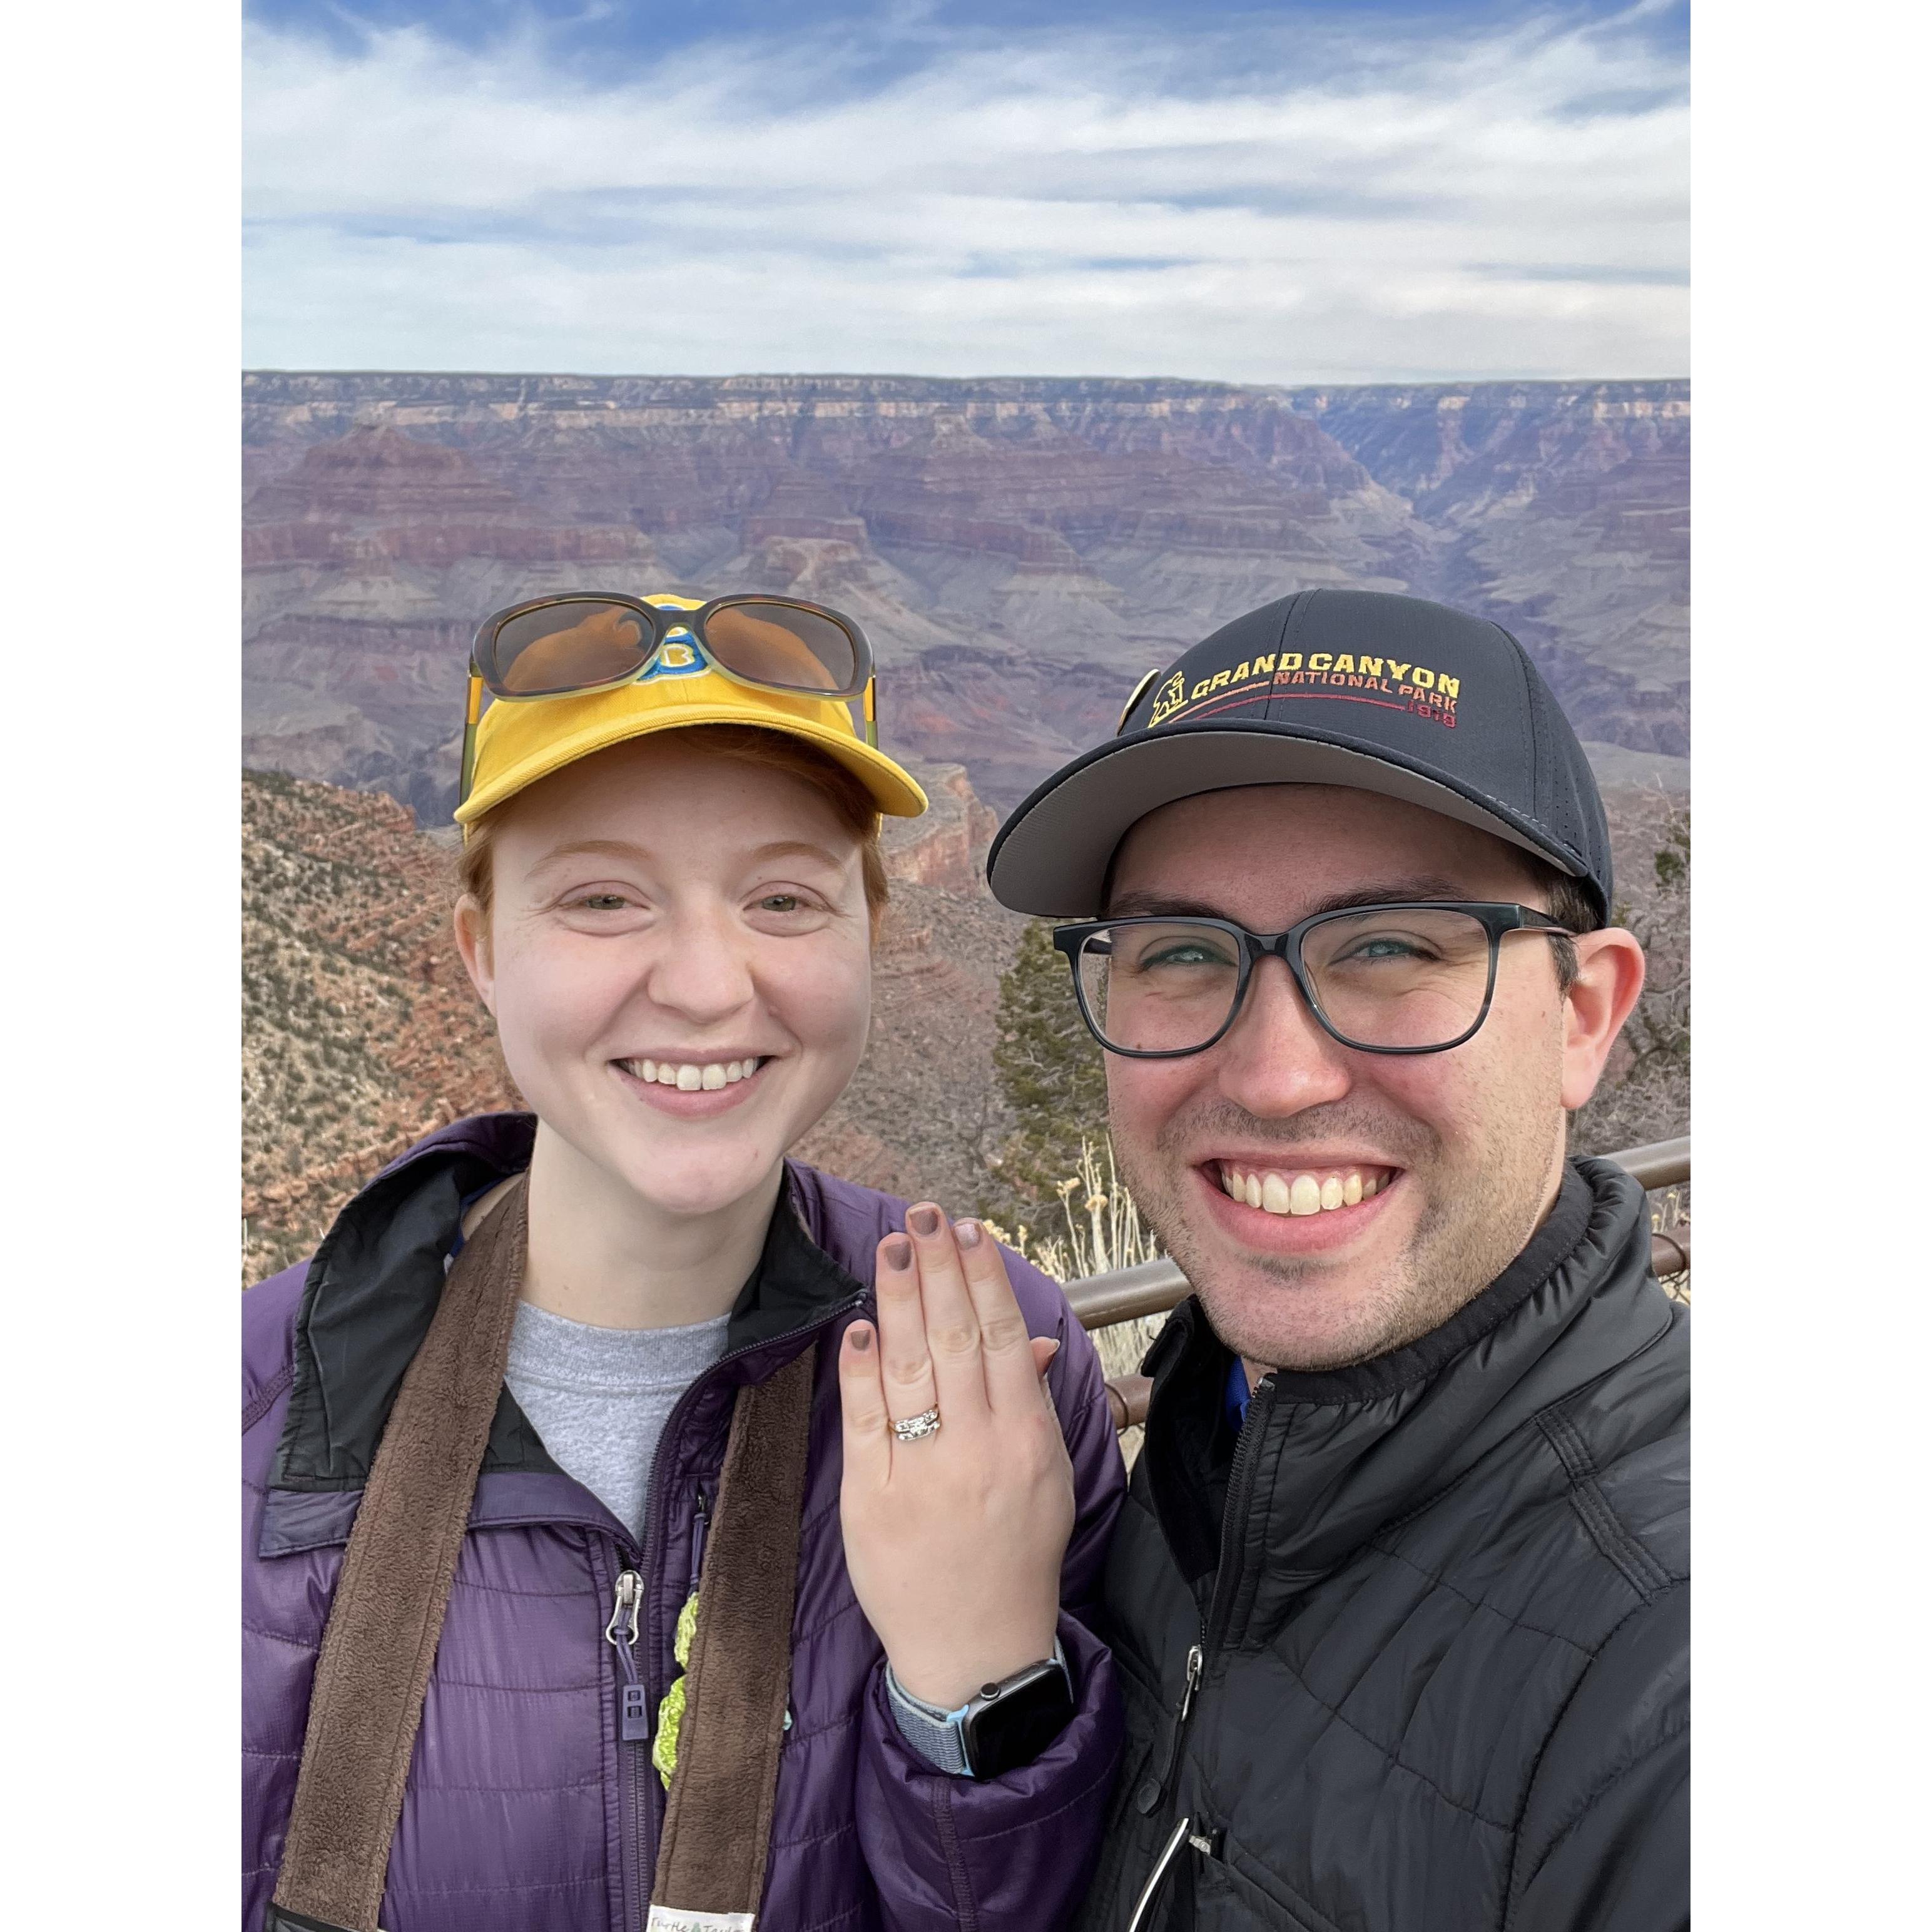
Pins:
x,y
914,1426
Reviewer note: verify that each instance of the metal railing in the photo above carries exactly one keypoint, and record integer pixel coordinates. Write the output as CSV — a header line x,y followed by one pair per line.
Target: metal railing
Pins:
x,y
1128,1294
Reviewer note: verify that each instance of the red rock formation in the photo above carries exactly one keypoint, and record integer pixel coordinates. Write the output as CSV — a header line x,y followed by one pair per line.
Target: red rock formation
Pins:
x,y
1020,551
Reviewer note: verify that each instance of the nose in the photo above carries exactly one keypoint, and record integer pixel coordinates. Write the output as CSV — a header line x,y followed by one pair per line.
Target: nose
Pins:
x,y
1276,1059
698,969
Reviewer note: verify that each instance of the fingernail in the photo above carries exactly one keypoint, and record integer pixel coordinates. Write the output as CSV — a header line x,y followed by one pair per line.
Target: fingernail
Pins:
x,y
897,1253
862,1340
1053,1351
966,1233
924,1222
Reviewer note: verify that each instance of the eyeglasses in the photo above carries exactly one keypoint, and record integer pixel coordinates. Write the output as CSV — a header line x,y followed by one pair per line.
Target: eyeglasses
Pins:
x,y
1382,979
582,641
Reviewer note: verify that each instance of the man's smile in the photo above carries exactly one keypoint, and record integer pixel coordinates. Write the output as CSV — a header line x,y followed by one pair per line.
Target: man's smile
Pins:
x,y
1301,1190
1286,1207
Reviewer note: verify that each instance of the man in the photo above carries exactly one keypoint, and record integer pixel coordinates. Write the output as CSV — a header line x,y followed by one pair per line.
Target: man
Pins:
x,y
1400,1592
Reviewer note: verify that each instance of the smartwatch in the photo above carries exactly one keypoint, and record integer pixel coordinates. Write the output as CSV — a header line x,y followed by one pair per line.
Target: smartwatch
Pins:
x,y
1004,1726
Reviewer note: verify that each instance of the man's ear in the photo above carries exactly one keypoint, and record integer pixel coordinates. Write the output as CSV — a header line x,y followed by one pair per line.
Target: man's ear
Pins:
x,y
1609,977
472,942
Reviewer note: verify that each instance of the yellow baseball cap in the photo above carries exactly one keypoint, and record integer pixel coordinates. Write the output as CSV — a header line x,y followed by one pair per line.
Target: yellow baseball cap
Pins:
x,y
519,741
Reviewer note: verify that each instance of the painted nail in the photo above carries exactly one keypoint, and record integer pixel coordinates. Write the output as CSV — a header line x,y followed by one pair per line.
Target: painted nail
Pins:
x,y
924,1222
897,1253
966,1233
862,1340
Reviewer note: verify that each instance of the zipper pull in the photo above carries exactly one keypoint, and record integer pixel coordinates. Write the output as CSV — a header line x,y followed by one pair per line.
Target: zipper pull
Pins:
x,y
634,1709
1147,1798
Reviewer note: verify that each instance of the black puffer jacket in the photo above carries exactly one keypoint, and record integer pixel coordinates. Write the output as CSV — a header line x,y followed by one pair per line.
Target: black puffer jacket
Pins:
x,y
1438,1607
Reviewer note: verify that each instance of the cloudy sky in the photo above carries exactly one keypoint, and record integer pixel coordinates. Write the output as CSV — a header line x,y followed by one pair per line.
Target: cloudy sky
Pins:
x,y
1354,193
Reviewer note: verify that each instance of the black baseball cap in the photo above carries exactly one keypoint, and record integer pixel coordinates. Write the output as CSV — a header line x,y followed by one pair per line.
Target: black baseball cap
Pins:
x,y
1386,693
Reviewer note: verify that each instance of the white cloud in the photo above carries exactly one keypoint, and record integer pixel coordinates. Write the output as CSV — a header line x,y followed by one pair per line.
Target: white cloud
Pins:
x,y
1073,204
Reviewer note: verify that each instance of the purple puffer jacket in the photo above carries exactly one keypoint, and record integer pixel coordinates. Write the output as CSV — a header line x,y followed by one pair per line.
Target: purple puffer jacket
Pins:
x,y
524,1811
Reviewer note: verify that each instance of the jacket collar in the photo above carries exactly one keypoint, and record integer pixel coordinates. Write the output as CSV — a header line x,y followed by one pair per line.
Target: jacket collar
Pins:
x,y
1333,1459
373,1284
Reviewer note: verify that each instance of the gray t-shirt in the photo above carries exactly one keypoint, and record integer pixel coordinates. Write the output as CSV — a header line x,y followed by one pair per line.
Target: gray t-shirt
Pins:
x,y
600,1397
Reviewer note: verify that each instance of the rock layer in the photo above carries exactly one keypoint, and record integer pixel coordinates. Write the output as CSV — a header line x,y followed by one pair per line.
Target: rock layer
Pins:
x,y
1020,551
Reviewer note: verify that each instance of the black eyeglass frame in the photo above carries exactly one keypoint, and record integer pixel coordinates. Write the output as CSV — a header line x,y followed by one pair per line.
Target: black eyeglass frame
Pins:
x,y
1495,917
662,621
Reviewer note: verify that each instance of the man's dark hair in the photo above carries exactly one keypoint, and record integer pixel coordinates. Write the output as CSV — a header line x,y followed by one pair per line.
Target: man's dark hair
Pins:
x,y
1566,900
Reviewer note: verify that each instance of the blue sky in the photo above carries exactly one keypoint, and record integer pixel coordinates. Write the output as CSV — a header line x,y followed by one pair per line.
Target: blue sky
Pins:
x,y
1376,191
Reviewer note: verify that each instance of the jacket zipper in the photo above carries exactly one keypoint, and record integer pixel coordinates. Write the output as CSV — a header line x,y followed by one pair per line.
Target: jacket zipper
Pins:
x,y
1152,1792
634,1714
646,1810
700,1530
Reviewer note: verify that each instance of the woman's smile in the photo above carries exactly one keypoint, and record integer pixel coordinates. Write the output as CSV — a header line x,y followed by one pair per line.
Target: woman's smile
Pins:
x,y
692,1089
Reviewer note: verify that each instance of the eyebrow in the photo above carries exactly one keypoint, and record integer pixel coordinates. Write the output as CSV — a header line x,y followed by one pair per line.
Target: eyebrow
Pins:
x,y
1386,891
593,848
787,848
619,848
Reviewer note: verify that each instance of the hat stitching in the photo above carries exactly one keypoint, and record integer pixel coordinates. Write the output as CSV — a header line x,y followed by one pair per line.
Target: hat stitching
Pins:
x,y
1292,619
1536,789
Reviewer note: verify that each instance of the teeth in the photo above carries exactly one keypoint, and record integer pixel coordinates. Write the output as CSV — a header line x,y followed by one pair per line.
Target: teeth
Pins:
x,y
691,1078
1301,1194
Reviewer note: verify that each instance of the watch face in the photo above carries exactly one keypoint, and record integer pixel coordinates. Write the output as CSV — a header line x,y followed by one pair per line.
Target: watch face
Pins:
x,y
1005,1732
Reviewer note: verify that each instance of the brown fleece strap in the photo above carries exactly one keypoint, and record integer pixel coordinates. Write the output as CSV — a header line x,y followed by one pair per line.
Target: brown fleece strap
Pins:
x,y
718,1818
377,1652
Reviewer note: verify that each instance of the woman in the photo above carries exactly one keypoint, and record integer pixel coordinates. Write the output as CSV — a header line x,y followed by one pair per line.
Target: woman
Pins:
x,y
670,884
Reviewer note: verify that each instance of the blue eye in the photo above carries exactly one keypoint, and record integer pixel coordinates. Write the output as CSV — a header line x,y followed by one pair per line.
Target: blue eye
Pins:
x,y
1181,956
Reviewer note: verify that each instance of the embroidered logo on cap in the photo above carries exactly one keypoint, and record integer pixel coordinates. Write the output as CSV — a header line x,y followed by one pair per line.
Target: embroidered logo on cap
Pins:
x,y
1361,677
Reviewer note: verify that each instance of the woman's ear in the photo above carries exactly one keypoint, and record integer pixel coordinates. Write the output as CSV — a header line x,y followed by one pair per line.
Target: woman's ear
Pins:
x,y
472,942
1609,977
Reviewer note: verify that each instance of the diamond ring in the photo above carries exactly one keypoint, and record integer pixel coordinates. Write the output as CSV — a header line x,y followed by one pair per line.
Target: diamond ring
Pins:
x,y
914,1426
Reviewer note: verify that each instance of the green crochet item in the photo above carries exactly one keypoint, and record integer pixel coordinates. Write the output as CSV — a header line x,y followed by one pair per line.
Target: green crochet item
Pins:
x,y
670,1711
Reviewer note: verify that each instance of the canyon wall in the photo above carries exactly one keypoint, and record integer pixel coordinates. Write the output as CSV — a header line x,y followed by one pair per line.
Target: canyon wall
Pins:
x,y
1020,551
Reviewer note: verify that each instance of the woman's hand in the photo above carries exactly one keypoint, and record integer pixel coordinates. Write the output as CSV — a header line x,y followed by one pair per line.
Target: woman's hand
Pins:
x,y
954,1541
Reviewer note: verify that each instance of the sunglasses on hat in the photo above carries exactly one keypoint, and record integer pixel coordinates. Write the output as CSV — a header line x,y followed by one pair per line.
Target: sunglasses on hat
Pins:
x,y
579,641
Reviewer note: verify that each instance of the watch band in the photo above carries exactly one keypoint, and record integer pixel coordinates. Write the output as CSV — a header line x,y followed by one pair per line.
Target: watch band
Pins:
x,y
939,1735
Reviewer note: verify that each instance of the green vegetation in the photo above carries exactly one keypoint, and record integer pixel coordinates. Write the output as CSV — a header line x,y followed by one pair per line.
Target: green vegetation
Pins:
x,y
1052,1078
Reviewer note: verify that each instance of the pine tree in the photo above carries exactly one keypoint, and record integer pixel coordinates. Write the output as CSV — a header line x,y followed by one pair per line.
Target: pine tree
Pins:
x,y
1052,1076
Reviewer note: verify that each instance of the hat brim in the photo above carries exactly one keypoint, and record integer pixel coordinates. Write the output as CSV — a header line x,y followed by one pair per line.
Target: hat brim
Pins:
x,y
896,792
1051,857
